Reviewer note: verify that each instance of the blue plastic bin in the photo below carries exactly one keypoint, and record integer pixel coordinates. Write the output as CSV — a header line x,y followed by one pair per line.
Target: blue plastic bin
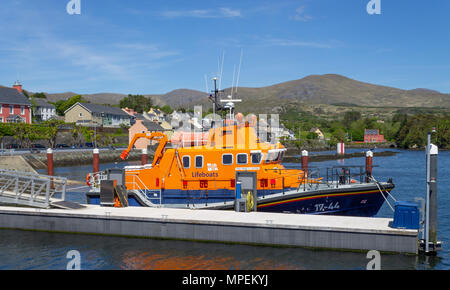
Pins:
x,y
406,215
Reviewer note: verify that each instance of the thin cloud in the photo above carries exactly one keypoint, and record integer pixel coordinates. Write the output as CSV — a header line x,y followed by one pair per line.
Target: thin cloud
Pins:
x,y
203,13
300,14
294,42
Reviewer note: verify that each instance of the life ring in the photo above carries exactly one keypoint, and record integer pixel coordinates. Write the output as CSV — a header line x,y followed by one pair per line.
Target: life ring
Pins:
x,y
249,201
87,180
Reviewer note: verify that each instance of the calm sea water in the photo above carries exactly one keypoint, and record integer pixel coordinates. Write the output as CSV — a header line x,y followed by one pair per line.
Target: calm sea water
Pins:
x,y
33,250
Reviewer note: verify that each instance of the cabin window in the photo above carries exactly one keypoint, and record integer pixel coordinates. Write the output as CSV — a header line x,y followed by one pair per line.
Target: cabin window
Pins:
x,y
199,161
256,158
227,159
242,158
186,161
271,157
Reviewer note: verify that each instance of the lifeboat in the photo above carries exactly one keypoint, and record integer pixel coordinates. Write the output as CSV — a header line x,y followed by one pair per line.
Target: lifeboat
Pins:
x,y
198,170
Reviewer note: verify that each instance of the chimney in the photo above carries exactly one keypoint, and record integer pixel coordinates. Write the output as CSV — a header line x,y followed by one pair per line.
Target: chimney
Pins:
x,y
18,87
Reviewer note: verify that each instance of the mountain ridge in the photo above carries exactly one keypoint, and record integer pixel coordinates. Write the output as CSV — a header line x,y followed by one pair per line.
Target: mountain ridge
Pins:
x,y
314,89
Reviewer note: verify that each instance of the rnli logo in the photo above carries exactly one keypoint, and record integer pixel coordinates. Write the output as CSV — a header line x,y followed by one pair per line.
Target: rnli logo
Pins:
x,y
212,167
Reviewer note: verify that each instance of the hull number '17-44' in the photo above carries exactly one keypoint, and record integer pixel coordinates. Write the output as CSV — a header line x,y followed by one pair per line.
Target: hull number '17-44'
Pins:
x,y
324,207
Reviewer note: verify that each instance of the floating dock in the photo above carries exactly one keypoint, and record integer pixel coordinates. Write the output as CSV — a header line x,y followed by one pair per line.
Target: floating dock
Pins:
x,y
255,228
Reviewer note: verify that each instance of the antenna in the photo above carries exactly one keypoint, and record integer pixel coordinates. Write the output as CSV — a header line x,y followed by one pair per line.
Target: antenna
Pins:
x,y
221,71
239,71
232,83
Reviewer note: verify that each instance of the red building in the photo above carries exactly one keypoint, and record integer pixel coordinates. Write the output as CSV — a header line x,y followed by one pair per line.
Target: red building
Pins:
x,y
14,105
373,136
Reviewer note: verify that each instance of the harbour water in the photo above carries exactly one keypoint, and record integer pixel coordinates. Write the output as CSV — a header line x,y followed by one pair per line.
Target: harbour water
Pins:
x,y
36,250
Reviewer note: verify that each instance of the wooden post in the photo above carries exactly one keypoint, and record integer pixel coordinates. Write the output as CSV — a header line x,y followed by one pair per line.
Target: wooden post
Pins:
x,y
369,165
50,170
305,161
96,160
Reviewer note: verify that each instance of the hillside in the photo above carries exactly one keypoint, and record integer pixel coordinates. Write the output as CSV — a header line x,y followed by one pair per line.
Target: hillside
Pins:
x,y
328,89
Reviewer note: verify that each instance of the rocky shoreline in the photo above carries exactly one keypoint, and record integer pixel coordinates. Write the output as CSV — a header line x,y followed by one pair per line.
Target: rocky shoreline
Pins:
x,y
327,157
66,159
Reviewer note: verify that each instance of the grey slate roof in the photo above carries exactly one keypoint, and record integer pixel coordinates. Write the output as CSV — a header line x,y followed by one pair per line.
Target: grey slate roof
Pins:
x,y
95,108
13,97
43,103
152,126
371,132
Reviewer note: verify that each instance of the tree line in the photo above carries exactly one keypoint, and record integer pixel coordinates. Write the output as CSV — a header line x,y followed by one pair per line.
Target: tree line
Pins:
x,y
403,130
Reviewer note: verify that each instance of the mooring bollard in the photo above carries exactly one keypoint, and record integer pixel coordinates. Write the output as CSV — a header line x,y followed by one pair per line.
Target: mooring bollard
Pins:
x,y
340,148
305,160
50,171
144,156
50,162
369,165
96,160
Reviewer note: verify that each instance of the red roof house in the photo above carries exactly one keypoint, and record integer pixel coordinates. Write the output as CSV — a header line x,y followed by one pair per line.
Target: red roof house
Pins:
x,y
373,136
14,105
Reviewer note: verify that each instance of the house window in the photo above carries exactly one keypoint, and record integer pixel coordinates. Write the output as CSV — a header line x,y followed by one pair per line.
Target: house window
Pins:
x,y
227,159
256,157
1,108
81,114
22,110
1,119
11,109
186,161
199,161
242,158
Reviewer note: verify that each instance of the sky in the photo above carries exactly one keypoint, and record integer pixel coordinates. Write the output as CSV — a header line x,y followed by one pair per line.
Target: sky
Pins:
x,y
153,46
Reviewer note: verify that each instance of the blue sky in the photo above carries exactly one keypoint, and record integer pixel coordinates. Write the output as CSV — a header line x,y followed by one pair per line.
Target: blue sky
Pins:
x,y
152,46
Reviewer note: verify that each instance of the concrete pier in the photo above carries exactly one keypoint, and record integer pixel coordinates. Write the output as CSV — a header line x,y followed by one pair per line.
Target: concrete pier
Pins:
x,y
275,229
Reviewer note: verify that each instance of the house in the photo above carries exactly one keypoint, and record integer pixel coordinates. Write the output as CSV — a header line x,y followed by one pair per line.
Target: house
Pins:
x,y
142,126
319,133
14,105
88,114
42,110
373,136
158,113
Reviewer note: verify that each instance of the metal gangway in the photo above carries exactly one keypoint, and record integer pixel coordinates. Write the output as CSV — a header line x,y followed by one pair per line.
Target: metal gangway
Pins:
x,y
33,190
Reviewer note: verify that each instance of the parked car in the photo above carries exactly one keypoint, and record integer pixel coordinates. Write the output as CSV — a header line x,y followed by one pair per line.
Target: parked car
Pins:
x,y
62,146
12,146
38,146
89,145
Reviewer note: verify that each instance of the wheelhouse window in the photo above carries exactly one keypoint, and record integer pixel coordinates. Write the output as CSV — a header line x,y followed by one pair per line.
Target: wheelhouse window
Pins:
x,y
274,156
199,161
271,156
227,159
186,161
256,157
242,158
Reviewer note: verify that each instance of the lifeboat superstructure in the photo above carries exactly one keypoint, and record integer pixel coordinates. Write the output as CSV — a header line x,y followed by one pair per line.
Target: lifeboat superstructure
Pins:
x,y
208,170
